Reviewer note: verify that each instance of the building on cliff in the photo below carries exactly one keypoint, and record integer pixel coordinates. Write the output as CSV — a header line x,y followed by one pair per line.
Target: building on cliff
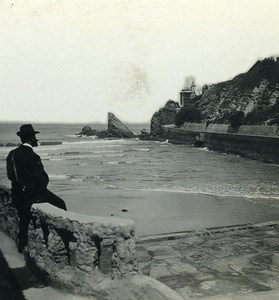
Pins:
x,y
186,94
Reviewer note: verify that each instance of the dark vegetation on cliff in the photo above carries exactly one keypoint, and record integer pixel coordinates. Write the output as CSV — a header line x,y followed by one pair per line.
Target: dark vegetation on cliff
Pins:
x,y
188,114
251,98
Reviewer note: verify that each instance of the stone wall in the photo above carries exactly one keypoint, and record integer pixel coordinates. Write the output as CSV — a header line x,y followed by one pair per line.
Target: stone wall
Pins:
x,y
83,254
255,147
8,214
259,130
256,142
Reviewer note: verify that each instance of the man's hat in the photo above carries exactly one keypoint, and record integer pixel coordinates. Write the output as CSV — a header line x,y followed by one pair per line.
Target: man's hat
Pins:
x,y
26,130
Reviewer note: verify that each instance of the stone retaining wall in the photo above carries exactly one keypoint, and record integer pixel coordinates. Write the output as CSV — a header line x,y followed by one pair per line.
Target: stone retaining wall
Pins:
x,y
86,255
263,130
261,143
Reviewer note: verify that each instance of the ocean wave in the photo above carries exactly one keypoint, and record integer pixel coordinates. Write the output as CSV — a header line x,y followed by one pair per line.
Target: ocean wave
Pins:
x,y
58,176
203,149
121,162
210,193
78,179
110,187
107,146
94,137
137,149
98,141
52,158
112,162
112,155
66,177
76,157
71,135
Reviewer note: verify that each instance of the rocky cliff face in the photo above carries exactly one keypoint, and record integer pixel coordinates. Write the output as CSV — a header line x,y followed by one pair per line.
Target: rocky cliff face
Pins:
x,y
117,129
256,93
164,116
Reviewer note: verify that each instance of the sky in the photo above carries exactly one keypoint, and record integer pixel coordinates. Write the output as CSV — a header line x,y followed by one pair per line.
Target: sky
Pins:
x,y
76,60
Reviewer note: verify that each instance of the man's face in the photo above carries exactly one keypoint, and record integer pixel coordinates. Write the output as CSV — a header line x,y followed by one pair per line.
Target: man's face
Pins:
x,y
34,141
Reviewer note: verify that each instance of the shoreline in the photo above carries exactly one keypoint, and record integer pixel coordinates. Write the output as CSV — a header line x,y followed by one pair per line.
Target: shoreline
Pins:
x,y
157,212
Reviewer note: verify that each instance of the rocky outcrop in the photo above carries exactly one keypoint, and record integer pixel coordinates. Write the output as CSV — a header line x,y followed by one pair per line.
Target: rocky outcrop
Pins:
x,y
255,92
164,116
144,135
88,131
117,129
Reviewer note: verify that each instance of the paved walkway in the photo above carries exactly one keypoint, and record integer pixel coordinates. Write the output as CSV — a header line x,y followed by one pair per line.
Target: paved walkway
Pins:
x,y
17,282
229,263
238,262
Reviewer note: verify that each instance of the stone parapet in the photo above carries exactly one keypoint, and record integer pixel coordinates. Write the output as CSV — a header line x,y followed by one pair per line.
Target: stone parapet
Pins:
x,y
8,214
86,255
69,240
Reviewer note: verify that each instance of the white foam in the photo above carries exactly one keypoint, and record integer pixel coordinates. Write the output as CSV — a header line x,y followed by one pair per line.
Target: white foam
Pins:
x,y
211,193
142,149
112,155
110,186
53,158
58,176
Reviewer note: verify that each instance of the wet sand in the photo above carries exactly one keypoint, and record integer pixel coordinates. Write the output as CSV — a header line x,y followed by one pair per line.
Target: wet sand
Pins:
x,y
157,212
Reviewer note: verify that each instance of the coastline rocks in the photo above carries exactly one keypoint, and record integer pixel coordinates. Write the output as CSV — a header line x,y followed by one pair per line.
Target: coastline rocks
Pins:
x,y
164,116
144,135
117,129
88,131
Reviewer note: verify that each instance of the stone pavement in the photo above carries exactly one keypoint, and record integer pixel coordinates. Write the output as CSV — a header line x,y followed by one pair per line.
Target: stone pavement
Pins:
x,y
17,282
228,263
237,262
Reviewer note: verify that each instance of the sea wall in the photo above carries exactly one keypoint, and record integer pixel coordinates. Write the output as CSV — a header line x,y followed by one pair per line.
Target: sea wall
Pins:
x,y
83,254
256,142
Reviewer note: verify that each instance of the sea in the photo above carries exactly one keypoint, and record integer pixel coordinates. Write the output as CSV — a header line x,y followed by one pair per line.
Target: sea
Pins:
x,y
163,187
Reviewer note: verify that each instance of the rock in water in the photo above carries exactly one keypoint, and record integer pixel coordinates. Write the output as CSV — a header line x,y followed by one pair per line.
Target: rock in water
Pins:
x,y
88,131
117,129
144,135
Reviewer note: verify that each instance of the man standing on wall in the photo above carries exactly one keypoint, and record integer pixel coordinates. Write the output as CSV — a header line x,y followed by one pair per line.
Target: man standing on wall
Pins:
x,y
29,181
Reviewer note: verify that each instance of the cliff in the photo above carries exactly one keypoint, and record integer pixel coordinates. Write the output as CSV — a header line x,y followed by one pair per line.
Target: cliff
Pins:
x,y
166,115
255,92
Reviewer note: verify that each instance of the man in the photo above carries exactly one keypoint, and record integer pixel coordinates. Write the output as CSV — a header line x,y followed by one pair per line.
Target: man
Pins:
x,y
29,181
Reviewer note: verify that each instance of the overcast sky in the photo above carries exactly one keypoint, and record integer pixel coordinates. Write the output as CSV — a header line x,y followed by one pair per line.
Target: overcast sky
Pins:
x,y
77,60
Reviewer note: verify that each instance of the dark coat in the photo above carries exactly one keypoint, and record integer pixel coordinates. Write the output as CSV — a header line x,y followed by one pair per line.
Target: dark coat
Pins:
x,y
27,174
